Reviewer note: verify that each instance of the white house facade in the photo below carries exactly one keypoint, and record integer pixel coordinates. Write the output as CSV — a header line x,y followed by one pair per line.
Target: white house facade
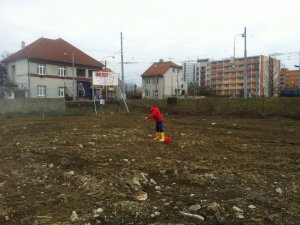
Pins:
x,y
162,80
51,69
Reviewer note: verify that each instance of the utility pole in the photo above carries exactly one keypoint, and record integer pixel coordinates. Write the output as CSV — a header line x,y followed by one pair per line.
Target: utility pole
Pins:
x,y
245,65
122,65
73,75
177,86
299,74
122,71
271,77
194,76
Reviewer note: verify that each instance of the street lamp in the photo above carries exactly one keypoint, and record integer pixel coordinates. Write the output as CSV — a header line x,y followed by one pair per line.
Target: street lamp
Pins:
x,y
244,35
233,61
73,72
298,66
234,45
73,75
298,75
245,63
109,56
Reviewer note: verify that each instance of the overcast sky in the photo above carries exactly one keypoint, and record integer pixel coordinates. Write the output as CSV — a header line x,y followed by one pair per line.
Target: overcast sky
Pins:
x,y
156,29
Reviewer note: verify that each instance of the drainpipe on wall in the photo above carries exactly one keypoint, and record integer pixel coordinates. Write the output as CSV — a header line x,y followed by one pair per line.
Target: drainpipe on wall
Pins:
x,y
163,87
155,88
28,69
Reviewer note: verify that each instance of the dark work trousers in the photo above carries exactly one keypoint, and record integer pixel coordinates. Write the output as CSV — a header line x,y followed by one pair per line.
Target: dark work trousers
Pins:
x,y
159,126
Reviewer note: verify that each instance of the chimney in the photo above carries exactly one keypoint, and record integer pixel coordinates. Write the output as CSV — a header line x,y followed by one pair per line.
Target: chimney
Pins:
x,y
161,60
23,44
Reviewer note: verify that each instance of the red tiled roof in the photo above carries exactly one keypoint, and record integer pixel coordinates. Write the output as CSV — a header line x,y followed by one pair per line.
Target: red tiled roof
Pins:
x,y
159,68
107,70
54,50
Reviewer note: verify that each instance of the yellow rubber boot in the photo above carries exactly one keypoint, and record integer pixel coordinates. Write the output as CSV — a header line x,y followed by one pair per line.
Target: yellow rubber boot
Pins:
x,y
157,136
162,137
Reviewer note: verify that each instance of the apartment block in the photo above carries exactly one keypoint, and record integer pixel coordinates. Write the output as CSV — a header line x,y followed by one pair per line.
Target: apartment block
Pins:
x,y
289,79
189,72
226,77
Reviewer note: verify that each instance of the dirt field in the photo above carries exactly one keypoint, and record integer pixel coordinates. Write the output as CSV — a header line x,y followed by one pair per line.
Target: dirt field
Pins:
x,y
215,171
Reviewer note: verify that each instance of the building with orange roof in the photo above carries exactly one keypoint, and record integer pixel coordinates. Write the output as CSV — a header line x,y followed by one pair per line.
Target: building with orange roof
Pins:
x,y
162,80
49,68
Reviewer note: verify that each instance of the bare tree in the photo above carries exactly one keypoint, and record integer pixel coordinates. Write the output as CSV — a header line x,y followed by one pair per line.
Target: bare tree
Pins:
x,y
4,55
2,74
272,78
3,70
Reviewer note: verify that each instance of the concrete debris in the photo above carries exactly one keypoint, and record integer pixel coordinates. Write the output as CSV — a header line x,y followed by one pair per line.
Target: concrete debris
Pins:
x,y
214,207
176,172
237,209
251,206
158,188
279,191
152,181
74,217
139,179
155,214
140,195
194,208
238,212
163,172
99,210
192,215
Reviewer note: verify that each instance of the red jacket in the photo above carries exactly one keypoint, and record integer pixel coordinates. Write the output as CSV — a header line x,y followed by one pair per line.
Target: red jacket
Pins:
x,y
155,114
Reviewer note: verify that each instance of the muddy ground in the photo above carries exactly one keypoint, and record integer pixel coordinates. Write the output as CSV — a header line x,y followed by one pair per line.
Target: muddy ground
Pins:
x,y
106,169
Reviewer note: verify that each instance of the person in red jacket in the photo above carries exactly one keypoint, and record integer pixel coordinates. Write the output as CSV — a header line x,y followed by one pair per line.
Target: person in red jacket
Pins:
x,y
159,122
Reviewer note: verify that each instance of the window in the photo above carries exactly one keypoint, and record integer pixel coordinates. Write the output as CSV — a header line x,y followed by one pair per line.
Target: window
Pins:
x,y
80,72
41,91
10,94
147,93
62,71
61,91
13,70
148,81
40,69
90,73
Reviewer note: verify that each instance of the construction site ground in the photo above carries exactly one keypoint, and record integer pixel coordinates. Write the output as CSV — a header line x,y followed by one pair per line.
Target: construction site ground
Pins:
x,y
107,169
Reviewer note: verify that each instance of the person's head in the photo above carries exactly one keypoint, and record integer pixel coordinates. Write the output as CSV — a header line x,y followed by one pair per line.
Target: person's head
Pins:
x,y
149,107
